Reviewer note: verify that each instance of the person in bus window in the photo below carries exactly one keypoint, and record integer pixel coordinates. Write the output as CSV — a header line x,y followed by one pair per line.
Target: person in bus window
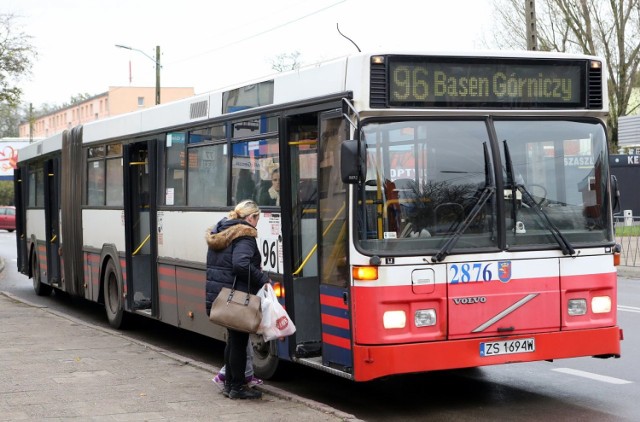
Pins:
x,y
246,186
233,254
271,196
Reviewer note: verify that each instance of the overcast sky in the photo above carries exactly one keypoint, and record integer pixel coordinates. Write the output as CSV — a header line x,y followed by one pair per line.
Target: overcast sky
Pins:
x,y
211,44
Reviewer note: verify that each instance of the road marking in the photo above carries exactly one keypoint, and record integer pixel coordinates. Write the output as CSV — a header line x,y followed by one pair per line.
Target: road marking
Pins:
x,y
590,375
629,309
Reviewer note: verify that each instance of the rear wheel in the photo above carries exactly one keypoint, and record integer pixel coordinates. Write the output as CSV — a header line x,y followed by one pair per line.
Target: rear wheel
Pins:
x,y
39,287
114,296
266,363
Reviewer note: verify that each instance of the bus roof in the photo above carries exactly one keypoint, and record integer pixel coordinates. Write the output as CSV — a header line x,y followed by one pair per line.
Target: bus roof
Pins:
x,y
348,73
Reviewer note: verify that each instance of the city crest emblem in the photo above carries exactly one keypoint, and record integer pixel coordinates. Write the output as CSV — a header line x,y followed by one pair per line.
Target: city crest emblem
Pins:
x,y
504,271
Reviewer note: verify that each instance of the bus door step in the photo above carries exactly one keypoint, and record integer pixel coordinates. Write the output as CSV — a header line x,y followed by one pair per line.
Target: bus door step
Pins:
x,y
309,349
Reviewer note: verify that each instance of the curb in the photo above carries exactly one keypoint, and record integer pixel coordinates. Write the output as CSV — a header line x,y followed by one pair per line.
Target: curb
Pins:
x,y
268,389
628,271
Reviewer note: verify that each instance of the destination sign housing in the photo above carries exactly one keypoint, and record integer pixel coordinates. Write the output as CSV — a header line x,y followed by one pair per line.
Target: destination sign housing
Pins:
x,y
485,82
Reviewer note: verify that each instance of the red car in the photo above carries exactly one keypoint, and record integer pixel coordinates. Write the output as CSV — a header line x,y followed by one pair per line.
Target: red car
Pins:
x,y
8,218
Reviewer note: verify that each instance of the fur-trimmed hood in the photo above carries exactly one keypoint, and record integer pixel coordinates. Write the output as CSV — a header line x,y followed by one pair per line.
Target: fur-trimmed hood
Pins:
x,y
221,236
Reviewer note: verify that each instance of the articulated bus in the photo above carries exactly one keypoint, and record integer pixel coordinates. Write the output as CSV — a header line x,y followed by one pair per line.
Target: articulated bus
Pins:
x,y
435,211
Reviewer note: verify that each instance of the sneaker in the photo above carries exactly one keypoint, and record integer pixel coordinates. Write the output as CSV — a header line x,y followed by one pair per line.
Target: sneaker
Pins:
x,y
244,394
218,380
253,381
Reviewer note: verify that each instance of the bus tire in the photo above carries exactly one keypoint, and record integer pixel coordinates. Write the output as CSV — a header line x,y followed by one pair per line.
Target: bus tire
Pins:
x,y
113,293
39,287
265,357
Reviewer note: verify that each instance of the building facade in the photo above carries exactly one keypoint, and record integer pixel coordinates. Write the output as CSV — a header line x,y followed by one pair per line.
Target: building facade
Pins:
x,y
117,100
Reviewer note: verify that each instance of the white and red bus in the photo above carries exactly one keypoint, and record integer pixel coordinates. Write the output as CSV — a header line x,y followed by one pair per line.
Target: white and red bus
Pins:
x,y
435,211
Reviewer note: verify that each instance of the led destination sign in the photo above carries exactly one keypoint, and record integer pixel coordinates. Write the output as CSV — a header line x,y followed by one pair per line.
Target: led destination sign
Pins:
x,y
429,82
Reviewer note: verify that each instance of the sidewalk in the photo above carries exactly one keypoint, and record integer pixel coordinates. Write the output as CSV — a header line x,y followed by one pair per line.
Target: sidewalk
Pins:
x,y
56,368
628,271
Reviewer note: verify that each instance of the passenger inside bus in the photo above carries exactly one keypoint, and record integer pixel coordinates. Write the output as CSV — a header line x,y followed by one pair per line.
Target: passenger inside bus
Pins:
x,y
270,195
246,187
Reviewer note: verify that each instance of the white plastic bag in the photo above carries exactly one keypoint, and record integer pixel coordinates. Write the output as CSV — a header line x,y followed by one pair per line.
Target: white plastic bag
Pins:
x,y
275,320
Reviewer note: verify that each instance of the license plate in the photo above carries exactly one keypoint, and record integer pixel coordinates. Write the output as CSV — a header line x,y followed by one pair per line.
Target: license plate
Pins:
x,y
508,347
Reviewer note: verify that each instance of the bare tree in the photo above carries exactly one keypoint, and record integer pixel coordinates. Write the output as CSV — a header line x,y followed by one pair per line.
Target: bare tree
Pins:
x,y
607,28
9,120
286,61
16,58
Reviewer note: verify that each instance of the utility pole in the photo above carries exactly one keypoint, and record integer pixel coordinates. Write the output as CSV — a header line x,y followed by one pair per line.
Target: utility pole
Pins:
x,y
530,17
156,61
31,119
157,74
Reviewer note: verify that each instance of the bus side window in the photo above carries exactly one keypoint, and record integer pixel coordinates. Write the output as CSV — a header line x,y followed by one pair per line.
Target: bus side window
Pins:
x,y
270,190
245,186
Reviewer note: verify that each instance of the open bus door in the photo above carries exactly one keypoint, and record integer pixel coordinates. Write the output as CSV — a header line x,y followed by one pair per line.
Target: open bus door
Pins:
x,y
21,212
315,275
52,220
140,222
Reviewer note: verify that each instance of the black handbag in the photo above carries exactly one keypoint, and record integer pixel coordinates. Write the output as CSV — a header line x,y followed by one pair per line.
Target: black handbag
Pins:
x,y
237,310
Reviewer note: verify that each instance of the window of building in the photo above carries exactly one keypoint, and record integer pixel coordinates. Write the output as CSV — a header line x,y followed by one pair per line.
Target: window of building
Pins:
x,y
140,101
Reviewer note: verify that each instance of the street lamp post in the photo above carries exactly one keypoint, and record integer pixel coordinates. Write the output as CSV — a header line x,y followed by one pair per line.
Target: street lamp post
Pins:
x,y
156,61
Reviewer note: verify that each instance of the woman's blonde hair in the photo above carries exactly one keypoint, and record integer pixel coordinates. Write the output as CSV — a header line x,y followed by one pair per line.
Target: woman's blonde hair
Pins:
x,y
244,209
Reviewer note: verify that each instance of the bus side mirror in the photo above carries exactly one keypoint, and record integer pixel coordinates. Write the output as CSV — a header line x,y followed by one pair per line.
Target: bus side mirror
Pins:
x,y
615,192
352,163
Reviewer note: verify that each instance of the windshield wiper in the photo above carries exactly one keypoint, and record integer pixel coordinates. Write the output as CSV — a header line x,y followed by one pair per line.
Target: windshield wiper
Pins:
x,y
565,245
489,189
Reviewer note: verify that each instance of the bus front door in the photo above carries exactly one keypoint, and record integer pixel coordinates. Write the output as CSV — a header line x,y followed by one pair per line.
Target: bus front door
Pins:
x,y
140,221
319,265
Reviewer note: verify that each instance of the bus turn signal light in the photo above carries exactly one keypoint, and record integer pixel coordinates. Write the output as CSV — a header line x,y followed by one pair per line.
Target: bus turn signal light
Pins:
x,y
616,259
365,273
278,289
617,251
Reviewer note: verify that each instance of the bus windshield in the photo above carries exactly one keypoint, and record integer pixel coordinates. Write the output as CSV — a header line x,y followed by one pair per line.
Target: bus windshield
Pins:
x,y
429,181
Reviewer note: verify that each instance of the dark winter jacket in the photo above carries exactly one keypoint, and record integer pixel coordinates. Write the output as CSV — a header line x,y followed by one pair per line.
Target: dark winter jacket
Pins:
x,y
233,251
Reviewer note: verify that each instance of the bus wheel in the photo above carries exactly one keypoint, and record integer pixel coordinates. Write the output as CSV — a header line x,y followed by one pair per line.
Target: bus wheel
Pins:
x,y
39,287
265,357
113,296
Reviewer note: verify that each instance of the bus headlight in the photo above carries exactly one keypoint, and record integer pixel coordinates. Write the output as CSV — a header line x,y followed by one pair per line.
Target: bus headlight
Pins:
x,y
577,307
394,319
425,318
601,304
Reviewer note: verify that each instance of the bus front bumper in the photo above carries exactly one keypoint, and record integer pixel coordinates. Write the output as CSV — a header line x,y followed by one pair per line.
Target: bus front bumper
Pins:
x,y
372,361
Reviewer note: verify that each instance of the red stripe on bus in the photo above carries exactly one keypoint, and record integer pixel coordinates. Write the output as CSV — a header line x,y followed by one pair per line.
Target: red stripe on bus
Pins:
x,y
93,257
335,321
167,271
168,285
335,302
343,343
191,275
172,300
191,291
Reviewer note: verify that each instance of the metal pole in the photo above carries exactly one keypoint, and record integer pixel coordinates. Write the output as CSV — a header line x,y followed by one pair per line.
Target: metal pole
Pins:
x,y
157,62
530,17
157,74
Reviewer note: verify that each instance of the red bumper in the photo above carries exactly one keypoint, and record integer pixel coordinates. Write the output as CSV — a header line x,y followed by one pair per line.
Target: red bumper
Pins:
x,y
372,362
